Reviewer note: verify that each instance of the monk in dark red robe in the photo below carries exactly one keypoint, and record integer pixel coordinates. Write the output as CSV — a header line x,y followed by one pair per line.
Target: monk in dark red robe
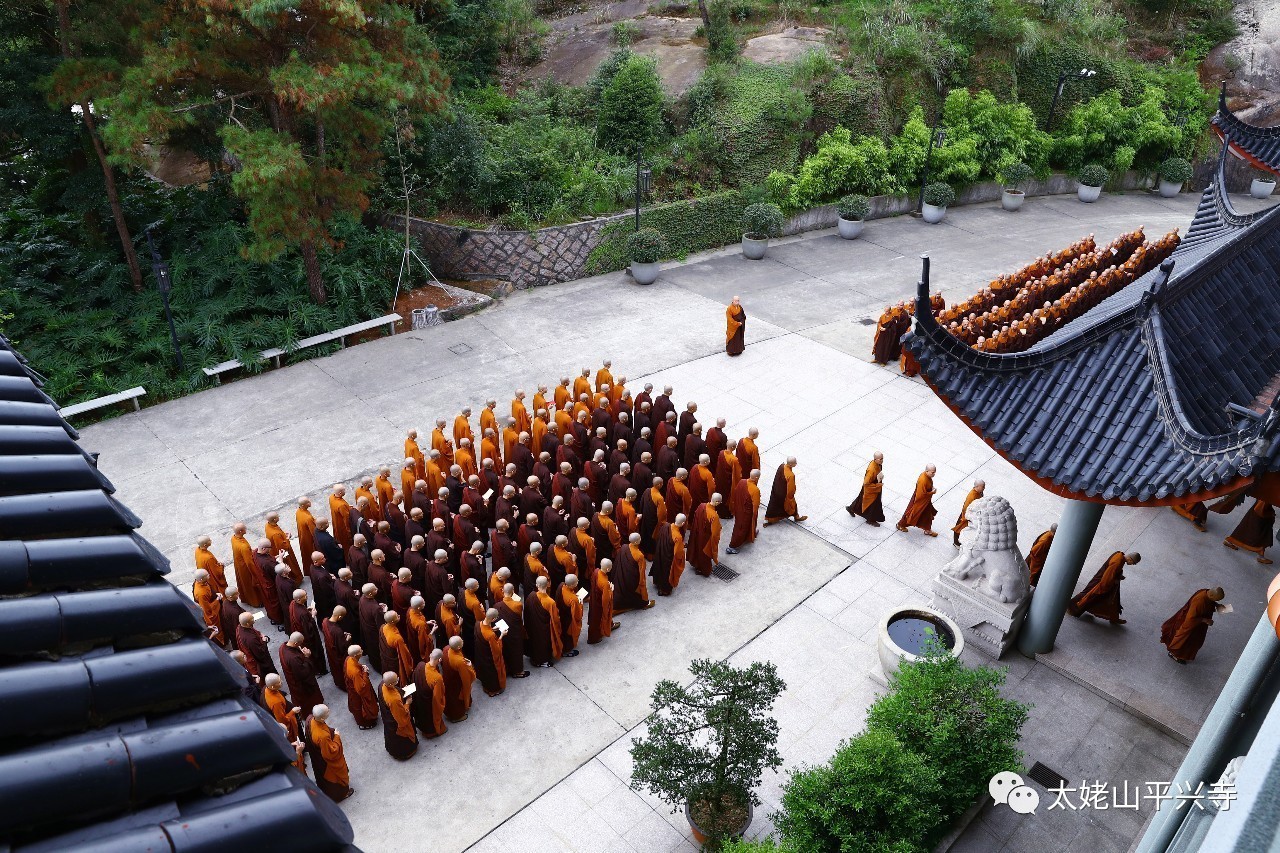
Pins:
x,y
746,512
302,619
1040,552
253,646
1255,532
735,335
567,599
782,497
511,611
1101,596
428,711
704,541
668,555
490,665
543,642
229,611
1183,633
920,512
300,672
869,503
631,581
398,735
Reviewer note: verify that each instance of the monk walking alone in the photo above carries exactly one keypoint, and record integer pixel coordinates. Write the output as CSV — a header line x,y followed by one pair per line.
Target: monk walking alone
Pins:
x,y
1101,596
1040,552
920,512
868,504
736,327
782,497
1183,632
1255,532
963,521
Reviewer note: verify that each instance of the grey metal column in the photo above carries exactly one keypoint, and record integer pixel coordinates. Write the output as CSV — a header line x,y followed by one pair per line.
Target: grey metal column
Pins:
x,y
1071,543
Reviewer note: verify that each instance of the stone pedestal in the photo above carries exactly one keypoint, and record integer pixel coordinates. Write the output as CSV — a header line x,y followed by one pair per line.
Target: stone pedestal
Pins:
x,y
988,625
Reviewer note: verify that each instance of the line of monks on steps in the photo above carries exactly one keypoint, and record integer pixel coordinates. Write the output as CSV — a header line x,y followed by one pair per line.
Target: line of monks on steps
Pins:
x,y
575,507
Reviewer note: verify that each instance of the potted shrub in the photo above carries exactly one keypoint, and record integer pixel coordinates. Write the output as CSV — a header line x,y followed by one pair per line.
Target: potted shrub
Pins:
x,y
708,744
1091,179
1013,177
1174,172
853,211
644,247
1262,187
937,197
760,221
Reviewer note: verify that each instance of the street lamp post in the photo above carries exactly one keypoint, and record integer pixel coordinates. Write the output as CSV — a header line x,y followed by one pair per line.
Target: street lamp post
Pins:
x,y
644,180
936,139
164,283
1082,74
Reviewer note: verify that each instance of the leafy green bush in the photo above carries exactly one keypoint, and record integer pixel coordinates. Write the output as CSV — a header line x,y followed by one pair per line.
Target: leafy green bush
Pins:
x,y
939,194
853,207
1176,170
1015,175
687,226
839,166
646,246
1093,175
855,100
875,795
722,41
624,33
1097,129
630,114
955,718
762,220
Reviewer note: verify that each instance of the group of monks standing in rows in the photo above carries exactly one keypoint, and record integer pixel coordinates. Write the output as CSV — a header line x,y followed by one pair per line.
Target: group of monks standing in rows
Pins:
x,y
570,506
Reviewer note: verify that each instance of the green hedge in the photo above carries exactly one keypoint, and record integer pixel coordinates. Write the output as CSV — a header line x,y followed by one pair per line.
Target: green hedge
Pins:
x,y
688,226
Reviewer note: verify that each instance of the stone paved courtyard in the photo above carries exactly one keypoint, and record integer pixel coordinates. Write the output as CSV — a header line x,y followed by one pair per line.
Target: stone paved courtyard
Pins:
x,y
545,765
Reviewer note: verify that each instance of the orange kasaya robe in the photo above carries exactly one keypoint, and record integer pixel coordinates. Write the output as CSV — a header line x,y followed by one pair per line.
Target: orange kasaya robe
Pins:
x,y
734,316
450,622
920,511
340,521
1038,554
409,477
488,420
728,473
782,497
436,696
386,494
547,603
306,523
495,585
702,484
704,541
211,564
210,607
246,571
588,546
678,498
1255,530
748,456
434,478
642,585
564,423
328,744
280,541
539,402
1183,633
464,459
510,438
280,709
536,434
678,557
412,451
461,430
471,602
419,635
493,642
395,703
600,613
561,395
963,521
581,385
628,521
867,503
440,442
1101,596
489,450
567,561
459,675
361,701
603,377
393,642
521,416
746,513
374,506
572,628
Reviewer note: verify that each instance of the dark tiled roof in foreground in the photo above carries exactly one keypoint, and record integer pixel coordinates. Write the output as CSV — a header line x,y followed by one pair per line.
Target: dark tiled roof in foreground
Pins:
x,y
121,727
1129,403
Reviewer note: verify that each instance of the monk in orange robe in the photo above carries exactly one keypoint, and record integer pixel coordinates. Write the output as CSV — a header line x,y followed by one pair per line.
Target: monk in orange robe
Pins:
x,y
435,474
207,561
746,512
735,327
963,521
409,478
386,493
489,449
920,512
281,542
428,713
412,451
510,438
1101,596
465,459
1255,532
399,737
361,701
728,473
582,385
491,669
561,395
1039,553
392,647
489,418
369,492
306,524
520,414
869,503
246,571
418,629
1183,633
604,376
704,541
459,675
668,555
600,623
544,640
462,427
442,444
340,517
702,482
782,497
328,761
284,712
210,608
566,596
748,453
678,496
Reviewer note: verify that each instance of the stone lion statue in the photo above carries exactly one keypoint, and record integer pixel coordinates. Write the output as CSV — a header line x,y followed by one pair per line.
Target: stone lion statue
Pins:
x,y
992,564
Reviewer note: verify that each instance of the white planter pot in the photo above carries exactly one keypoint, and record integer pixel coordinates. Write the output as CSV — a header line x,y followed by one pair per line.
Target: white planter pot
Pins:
x,y
931,213
1168,189
1261,189
752,249
1088,194
849,228
645,273
899,634
1012,199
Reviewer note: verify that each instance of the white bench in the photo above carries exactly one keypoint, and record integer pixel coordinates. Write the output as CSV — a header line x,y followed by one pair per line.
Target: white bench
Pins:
x,y
131,395
339,335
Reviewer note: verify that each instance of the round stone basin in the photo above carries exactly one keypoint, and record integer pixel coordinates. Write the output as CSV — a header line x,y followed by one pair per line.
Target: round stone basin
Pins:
x,y
905,633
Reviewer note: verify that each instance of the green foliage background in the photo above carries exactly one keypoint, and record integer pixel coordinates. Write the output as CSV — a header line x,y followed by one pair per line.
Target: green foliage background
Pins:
x,y
688,226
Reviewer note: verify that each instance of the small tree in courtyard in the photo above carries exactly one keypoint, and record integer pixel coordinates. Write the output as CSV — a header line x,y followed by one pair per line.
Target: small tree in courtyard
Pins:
x,y
708,743
630,113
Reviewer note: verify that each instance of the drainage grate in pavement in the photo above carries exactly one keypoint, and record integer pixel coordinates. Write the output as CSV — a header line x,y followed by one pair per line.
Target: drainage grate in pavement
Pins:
x,y
726,574
460,349
867,321
1048,779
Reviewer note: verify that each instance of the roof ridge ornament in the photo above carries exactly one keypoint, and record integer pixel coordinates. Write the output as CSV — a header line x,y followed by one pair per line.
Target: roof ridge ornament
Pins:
x,y
924,313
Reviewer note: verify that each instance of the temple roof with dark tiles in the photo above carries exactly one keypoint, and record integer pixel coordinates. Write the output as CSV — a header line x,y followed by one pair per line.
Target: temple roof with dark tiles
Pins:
x,y
121,726
1260,146
1158,395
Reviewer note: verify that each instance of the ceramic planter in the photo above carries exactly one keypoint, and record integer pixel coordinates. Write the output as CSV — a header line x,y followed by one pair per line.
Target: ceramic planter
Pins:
x,y
1012,199
1168,189
1088,194
898,640
1261,189
645,273
931,213
753,249
701,837
849,228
